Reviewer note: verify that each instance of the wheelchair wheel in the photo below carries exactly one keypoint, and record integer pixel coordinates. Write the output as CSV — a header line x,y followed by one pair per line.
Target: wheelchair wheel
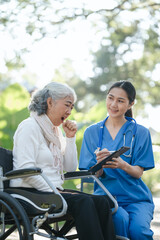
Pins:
x,y
14,222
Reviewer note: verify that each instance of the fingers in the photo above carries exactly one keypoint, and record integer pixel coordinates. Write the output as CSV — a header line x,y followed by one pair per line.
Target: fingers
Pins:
x,y
70,128
102,154
71,125
114,163
110,165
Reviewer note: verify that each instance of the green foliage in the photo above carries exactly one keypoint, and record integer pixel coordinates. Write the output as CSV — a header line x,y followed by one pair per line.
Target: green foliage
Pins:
x,y
97,112
72,184
129,47
13,104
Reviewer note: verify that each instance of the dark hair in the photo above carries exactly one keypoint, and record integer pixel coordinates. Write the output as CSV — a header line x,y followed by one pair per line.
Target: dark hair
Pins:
x,y
129,89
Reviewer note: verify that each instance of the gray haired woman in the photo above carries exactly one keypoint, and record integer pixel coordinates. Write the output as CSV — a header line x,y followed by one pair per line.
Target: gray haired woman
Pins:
x,y
39,142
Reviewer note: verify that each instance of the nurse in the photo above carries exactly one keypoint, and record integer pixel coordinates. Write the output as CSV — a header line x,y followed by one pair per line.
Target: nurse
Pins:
x,y
122,175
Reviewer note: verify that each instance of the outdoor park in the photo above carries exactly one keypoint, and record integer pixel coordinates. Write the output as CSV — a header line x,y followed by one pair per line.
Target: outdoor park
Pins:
x,y
89,46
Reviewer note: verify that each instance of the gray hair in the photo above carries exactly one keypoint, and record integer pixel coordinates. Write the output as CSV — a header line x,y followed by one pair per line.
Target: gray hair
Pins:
x,y
54,90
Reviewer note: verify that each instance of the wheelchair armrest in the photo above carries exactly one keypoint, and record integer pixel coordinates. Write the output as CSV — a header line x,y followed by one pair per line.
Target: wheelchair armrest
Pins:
x,y
86,173
77,174
25,172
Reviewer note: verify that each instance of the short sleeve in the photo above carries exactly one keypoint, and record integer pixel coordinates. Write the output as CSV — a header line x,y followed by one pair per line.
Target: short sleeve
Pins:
x,y
87,156
143,152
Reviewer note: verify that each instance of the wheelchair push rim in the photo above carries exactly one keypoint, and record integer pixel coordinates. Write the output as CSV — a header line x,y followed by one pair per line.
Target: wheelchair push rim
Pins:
x,y
13,219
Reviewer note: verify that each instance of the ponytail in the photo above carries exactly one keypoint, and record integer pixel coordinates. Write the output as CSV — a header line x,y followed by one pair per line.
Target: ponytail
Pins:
x,y
129,113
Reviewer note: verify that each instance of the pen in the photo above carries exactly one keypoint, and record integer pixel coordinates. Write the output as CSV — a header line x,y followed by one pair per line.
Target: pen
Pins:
x,y
97,150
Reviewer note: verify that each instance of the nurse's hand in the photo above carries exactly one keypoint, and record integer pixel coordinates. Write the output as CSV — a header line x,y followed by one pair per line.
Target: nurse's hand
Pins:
x,y
114,163
134,171
70,128
102,154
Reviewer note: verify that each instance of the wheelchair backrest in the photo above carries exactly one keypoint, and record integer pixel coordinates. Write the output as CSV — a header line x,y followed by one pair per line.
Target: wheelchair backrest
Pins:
x,y
6,162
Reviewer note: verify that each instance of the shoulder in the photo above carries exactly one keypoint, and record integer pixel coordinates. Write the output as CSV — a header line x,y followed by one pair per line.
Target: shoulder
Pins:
x,y
28,126
29,122
142,130
142,134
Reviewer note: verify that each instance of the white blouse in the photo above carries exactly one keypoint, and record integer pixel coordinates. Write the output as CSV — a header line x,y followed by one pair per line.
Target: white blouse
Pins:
x,y
31,150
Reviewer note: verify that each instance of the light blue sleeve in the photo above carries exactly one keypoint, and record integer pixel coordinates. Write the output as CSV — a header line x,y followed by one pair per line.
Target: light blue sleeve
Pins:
x,y
143,152
87,155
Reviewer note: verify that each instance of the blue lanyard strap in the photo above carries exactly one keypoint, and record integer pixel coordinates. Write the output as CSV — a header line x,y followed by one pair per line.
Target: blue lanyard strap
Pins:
x,y
101,133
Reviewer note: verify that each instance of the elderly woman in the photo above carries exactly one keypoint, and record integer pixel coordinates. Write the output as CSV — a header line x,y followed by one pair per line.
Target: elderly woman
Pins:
x,y
39,142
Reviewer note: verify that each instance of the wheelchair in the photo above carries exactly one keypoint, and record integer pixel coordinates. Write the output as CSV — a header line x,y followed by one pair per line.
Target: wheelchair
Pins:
x,y
26,212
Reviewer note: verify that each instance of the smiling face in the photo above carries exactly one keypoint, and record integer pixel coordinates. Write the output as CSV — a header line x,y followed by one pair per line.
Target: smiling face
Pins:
x,y
117,102
60,109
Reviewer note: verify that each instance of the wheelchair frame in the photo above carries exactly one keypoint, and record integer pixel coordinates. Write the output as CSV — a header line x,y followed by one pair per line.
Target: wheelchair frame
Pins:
x,y
12,213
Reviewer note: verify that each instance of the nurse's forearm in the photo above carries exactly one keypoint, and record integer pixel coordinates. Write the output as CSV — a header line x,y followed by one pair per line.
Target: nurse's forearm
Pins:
x,y
134,171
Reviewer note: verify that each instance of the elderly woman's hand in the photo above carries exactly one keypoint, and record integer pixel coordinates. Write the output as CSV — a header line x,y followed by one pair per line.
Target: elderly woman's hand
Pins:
x,y
70,128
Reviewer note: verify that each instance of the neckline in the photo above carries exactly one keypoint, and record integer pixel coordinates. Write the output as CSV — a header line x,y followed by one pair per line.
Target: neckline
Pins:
x,y
119,131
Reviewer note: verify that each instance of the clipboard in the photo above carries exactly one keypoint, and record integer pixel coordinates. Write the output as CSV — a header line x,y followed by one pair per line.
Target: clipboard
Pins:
x,y
115,154
96,167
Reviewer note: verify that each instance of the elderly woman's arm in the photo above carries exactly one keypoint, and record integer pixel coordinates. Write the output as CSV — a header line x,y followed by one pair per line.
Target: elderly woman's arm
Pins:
x,y
69,146
70,155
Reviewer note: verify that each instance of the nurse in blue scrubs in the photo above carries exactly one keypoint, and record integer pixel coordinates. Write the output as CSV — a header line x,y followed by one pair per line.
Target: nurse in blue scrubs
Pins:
x,y
122,175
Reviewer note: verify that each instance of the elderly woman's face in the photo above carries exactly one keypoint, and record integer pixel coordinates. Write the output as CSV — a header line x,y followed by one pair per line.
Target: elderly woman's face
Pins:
x,y
59,110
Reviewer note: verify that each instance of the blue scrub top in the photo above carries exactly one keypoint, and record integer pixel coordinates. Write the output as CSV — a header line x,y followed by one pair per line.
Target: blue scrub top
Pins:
x,y
124,187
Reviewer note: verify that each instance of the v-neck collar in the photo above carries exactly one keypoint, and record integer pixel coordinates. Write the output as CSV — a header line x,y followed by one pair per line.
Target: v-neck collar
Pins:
x,y
118,133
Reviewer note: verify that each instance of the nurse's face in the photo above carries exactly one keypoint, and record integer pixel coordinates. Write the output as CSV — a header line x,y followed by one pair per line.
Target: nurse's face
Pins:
x,y
59,110
117,102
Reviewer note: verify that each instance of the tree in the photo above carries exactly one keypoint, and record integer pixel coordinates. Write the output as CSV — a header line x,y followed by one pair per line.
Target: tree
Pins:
x,y
128,49
113,62
51,17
